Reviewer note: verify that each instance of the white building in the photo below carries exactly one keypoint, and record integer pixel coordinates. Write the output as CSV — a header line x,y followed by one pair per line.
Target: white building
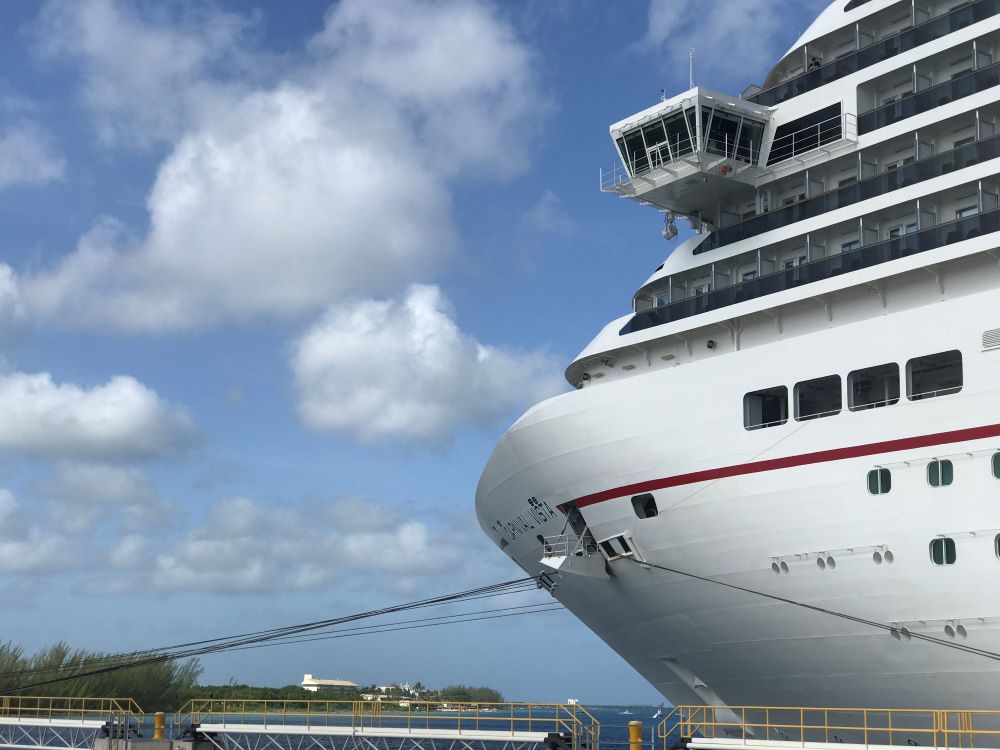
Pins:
x,y
314,685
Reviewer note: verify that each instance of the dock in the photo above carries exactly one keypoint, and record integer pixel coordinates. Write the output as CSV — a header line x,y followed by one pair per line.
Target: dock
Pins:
x,y
58,723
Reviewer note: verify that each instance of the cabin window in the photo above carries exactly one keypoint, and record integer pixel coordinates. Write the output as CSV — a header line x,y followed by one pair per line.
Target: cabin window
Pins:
x,y
818,398
996,465
966,211
849,246
645,506
873,387
766,408
934,375
943,551
879,481
996,545
940,473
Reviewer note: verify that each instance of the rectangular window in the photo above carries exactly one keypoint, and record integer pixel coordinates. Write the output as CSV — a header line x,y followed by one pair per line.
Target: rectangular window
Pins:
x,y
940,473
766,408
879,481
964,141
873,387
749,275
849,246
943,551
934,375
818,398
966,211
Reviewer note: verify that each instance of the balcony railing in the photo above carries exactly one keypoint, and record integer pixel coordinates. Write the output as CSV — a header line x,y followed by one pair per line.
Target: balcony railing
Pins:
x,y
881,50
819,270
925,169
935,96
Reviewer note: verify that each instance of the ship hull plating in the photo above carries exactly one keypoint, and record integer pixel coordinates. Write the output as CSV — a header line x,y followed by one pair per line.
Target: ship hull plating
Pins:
x,y
733,504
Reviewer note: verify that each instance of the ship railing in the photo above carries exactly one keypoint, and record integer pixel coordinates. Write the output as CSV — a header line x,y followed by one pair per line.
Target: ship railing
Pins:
x,y
568,545
793,147
400,716
750,726
59,708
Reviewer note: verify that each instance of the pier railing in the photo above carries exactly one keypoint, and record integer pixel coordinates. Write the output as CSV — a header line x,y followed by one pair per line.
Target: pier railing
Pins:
x,y
745,726
53,708
401,717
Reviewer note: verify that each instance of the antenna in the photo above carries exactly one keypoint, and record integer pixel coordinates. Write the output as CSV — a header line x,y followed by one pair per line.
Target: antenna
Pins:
x,y
691,68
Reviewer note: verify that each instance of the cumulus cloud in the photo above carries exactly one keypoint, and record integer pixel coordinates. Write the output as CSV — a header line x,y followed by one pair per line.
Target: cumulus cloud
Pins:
x,y
26,545
82,494
403,369
242,546
122,419
275,208
28,158
281,198
724,50
147,68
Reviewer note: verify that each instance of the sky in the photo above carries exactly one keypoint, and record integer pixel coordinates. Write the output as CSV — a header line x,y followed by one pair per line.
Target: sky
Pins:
x,y
275,277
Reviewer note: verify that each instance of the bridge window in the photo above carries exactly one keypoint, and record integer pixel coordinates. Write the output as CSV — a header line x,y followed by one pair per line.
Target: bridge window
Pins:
x,y
940,473
879,481
818,398
943,551
766,408
934,375
645,506
873,387
996,465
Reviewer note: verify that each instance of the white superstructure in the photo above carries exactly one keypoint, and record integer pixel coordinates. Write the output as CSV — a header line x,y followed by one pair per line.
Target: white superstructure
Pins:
x,y
805,400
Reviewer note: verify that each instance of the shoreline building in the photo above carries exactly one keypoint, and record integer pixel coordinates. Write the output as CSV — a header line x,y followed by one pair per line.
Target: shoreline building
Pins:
x,y
314,684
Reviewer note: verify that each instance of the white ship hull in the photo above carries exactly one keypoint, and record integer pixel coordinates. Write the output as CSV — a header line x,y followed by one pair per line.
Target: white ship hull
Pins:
x,y
784,495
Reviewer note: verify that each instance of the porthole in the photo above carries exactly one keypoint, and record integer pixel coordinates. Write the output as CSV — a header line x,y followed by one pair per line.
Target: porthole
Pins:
x,y
996,465
821,563
879,481
940,473
877,558
943,551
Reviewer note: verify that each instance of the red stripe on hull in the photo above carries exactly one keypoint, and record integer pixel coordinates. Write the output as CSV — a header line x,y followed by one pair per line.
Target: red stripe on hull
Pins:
x,y
803,459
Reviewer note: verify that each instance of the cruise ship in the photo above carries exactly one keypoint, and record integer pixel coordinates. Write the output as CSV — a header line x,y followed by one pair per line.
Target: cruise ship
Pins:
x,y
776,479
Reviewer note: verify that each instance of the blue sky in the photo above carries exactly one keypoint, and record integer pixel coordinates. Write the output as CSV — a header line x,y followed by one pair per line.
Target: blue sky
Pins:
x,y
276,277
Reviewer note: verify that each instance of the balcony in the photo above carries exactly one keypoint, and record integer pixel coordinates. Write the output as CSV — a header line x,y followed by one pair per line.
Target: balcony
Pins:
x,y
819,270
926,169
935,96
884,49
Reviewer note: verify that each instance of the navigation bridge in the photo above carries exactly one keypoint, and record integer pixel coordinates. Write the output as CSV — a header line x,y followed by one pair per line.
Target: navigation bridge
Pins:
x,y
703,148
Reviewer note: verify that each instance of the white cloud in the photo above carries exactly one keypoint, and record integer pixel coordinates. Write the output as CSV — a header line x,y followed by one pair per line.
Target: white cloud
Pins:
x,y
27,157
734,40
276,208
81,494
122,419
27,546
242,547
403,369
147,70
279,200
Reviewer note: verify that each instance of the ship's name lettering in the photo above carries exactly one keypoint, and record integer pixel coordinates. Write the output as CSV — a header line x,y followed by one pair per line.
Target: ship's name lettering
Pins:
x,y
537,513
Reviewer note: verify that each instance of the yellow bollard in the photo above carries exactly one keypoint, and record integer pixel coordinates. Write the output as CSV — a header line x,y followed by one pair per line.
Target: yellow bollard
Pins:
x,y
159,721
635,735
